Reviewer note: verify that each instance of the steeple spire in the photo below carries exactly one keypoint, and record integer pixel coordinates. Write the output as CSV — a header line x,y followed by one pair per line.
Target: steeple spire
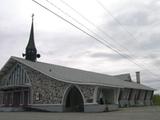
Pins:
x,y
31,51
31,44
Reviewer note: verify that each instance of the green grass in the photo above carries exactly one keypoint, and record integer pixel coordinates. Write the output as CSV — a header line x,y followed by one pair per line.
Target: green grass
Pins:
x,y
156,99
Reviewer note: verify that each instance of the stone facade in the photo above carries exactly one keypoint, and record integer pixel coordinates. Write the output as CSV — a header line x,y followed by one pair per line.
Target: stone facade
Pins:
x,y
49,94
88,92
45,90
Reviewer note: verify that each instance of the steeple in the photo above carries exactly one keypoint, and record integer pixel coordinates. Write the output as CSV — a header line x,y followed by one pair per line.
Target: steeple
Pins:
x,y
31,51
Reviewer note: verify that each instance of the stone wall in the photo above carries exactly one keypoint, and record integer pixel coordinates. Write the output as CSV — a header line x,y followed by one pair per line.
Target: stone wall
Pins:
x,y
88,92
45,90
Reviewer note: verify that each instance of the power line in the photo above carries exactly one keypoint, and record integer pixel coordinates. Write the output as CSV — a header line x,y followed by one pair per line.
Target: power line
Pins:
x,y
82,24
79,28
90,35
118,22
106,34
88,28
108,44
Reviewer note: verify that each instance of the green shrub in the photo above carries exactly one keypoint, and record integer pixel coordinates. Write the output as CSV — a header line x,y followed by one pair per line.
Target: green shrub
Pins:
x,y
156,99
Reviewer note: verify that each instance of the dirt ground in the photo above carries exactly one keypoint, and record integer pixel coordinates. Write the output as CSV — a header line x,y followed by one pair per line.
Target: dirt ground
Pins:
x,y
135,113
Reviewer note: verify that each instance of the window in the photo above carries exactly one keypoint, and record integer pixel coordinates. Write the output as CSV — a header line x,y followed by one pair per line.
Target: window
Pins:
x,y
89,100
38,96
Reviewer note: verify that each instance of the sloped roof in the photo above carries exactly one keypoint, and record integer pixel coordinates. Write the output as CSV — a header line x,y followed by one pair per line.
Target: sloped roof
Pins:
x,y
75,76
125,77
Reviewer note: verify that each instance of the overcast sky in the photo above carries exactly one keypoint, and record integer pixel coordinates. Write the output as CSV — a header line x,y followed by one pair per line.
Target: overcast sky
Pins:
x,y
130,26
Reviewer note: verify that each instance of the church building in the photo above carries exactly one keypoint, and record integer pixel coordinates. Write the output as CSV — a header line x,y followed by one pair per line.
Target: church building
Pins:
x,y
26,84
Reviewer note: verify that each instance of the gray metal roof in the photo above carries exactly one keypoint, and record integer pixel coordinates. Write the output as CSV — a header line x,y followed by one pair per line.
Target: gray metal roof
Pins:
x,y
125,77
75,76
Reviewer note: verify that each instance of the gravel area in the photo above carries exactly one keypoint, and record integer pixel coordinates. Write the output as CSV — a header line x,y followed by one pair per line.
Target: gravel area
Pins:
x,y
135,113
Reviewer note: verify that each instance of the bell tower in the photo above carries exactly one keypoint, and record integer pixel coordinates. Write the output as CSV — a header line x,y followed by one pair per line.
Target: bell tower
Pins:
x,y
31,51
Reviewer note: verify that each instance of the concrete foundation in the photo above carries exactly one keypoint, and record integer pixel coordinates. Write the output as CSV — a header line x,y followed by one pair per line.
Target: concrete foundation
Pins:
x,y
131,103
147,102
112,107
139,103
49,108
11,109
123,103
94,108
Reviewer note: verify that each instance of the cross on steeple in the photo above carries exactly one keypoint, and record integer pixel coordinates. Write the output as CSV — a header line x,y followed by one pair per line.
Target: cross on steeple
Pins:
x,y
31,51
32,17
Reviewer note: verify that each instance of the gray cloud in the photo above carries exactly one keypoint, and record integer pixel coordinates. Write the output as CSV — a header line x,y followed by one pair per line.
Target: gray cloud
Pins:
x,y
109,56
152,42
152,56
134,18
74,48
157,63
62,45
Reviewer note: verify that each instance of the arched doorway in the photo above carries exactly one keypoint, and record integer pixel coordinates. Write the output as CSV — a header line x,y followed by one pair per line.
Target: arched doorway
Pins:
x,y
74,100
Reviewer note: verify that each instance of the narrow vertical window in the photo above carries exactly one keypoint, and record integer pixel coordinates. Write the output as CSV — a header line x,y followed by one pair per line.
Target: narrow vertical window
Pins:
x,y
14,78
25,78
20,75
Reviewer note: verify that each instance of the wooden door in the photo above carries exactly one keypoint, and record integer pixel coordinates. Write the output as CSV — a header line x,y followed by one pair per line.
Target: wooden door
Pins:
x,y
26,98
16,99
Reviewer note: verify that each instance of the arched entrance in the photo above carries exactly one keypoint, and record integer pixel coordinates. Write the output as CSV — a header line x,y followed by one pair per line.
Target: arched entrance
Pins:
x,y
74,100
